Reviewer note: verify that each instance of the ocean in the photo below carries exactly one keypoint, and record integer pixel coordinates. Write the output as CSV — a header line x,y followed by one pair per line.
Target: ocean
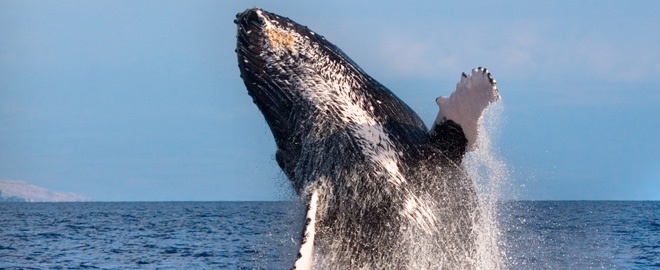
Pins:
x,y
264,235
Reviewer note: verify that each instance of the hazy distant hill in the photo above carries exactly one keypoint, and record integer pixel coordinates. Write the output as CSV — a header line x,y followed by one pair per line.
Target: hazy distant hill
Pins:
x,y
19,191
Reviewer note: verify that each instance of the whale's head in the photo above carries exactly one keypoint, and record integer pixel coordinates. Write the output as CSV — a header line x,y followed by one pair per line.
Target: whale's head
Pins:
x,y
287,69
303,84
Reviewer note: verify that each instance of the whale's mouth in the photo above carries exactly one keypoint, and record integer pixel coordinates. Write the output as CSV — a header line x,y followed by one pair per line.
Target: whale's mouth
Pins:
x,y
250,24
264,60
249,47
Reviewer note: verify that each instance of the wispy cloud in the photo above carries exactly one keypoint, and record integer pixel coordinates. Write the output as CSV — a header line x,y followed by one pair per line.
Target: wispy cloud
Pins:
x,y
518,50
410,57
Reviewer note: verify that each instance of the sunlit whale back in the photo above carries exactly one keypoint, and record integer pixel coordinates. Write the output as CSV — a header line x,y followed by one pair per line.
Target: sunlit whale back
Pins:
x,y
383,191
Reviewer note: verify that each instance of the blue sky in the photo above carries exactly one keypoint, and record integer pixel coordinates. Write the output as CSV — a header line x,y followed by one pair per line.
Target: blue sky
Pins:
x,y
141,100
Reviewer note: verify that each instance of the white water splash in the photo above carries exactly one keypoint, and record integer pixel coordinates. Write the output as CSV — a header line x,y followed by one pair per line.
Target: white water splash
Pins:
x,y
490,173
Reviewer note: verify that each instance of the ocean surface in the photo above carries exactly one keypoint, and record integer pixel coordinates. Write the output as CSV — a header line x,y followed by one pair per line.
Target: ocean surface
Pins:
x,y
264,235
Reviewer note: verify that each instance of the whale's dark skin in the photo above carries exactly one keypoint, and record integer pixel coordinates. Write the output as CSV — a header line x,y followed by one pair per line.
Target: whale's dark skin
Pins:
x,y
391,193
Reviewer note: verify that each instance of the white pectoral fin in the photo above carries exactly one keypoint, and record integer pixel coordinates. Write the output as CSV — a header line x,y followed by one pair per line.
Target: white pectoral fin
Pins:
x,y
474,92
306,254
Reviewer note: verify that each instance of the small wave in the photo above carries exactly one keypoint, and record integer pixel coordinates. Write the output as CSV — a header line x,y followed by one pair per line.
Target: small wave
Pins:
x,y
203,254
117,251
141,262
49,235
85,266
6,248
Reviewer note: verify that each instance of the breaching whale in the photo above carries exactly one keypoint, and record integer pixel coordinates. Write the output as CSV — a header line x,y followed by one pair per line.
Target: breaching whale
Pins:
x,y
382,190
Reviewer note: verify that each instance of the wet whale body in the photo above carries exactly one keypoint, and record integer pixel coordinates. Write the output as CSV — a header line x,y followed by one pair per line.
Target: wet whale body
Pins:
x,y
382,190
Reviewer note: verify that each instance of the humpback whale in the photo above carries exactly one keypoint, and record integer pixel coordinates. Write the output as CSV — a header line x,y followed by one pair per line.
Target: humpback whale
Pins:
x,y
382,190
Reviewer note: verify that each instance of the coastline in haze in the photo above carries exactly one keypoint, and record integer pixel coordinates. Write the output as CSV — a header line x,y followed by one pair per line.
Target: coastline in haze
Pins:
x,y
19,191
